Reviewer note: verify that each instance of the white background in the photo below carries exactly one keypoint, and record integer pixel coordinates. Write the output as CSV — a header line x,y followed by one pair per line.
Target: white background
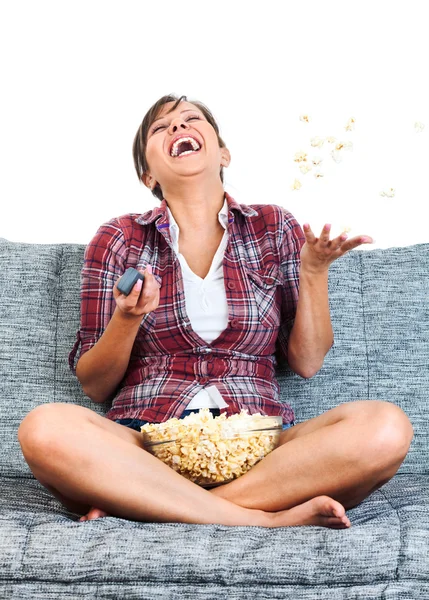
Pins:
x,y
78,77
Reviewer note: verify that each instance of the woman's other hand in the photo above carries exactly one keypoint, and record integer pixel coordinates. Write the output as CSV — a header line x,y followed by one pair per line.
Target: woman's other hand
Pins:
x,y
143,298
318,253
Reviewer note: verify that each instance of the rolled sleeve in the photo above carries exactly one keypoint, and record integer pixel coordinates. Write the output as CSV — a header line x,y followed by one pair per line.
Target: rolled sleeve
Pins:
x,y
104,260
292,240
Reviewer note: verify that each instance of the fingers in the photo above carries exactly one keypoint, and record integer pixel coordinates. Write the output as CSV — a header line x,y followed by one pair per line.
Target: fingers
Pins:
x,y
150,295
356,241
143,297
309,235
338,242
311,238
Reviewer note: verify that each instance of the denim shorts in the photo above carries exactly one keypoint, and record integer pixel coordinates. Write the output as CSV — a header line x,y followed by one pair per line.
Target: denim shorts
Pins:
x,y
137,423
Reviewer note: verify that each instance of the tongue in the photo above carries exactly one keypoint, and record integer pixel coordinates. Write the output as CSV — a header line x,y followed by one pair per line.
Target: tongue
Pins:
x,y
184,147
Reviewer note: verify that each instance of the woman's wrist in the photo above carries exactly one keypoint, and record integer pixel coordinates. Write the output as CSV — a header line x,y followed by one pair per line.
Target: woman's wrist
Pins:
x,y
127,318
313,274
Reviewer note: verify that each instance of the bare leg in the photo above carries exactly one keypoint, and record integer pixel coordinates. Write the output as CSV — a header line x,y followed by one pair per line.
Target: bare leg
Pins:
x,y
89,461
346,453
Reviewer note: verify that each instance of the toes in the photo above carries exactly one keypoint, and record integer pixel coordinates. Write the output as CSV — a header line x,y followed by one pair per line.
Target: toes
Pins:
x,y
92,514
331,508
336,523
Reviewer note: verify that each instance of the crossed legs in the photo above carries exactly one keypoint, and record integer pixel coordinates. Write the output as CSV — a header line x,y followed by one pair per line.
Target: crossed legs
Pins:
x,y
344,454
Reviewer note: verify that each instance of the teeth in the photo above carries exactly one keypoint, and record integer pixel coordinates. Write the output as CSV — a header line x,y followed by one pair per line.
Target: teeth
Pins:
x,y
175,146
187,152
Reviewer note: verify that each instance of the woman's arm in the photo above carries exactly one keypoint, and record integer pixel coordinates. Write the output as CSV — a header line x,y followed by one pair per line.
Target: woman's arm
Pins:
x,y
101,368
311,336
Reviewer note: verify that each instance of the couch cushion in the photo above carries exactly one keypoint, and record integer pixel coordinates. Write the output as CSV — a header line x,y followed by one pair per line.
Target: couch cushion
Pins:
x,y
386,545
40,312
379,310
344,375
395,287
379,302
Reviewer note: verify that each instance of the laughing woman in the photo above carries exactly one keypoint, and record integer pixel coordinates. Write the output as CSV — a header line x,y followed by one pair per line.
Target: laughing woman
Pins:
x,y
219,308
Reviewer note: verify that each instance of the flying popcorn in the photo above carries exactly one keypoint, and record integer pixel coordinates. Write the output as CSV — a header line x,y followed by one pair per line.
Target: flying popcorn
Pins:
x,y
350,124
296,185
418,127
390,193
345,229
305,168
344,146
317,160
300,156
305,118
317,141
330,140
336,155
318,174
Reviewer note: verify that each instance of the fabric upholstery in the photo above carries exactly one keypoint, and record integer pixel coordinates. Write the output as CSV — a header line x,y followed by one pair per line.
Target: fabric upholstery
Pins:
x,y
380,316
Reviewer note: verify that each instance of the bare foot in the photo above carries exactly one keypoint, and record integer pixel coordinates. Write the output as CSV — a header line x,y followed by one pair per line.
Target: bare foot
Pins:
x,y
94,513
321,511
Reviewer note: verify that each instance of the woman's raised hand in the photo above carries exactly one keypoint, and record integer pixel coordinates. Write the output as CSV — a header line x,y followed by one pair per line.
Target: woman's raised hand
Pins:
x,y
318,253
143,298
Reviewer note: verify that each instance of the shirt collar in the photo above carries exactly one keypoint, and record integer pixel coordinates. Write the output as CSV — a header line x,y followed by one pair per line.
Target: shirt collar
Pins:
x,y
163,213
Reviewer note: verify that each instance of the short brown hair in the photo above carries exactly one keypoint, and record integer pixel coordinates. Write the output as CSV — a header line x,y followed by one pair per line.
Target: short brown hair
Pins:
x,y
140,139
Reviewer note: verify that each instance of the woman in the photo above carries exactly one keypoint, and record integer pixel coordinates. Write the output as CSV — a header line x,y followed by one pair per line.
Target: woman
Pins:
x,y
234,270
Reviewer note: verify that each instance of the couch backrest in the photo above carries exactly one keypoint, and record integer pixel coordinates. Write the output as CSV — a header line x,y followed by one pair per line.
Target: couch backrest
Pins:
x,y
379,310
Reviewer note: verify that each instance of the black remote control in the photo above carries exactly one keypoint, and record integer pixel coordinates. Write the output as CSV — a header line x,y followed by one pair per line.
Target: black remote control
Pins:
x,y
128,280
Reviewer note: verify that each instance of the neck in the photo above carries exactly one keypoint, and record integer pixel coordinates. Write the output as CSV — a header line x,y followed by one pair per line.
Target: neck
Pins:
x,y
196,211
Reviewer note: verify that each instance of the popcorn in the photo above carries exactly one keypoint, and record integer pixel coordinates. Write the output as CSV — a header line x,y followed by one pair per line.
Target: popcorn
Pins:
x,y
296,185
305,168
418,126
350,124
344,145
336,155
305,118
212,450
331,140
317,141
389,193
317,160
300,156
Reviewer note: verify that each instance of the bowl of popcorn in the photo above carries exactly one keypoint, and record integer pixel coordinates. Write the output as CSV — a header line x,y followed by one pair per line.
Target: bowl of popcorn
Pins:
x,y
211,451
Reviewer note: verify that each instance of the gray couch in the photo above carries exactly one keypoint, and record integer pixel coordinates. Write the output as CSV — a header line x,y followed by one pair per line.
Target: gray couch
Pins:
x,y
380,314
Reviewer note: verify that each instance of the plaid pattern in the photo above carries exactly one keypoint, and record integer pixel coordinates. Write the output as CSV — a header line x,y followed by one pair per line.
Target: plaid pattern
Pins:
x,y
169,361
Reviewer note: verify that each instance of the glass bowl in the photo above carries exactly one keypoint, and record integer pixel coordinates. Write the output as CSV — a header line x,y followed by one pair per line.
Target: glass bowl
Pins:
x,y
211,451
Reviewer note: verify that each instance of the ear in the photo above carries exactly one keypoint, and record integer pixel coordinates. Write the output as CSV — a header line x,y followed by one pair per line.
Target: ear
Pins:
x,y
225,157
147,180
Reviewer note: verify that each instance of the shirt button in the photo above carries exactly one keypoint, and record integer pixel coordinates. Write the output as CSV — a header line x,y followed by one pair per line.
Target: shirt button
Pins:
x,y
204,380
231,285
235,323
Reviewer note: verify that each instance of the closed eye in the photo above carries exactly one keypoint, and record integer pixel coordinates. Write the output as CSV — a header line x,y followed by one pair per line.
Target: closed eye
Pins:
x,y
162,126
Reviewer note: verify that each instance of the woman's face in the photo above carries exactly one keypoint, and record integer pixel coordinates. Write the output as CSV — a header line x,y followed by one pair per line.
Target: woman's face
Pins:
x,y
187,120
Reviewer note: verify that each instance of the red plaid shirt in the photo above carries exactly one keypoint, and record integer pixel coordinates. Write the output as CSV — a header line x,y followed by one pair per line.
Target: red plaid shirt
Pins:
x,y
170,362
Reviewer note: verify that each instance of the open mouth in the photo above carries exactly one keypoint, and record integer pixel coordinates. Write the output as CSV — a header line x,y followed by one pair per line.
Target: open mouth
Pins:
x,y
187,153
184,147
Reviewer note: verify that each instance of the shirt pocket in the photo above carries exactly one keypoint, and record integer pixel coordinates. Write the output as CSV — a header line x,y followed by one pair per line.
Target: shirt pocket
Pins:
x,y
264,284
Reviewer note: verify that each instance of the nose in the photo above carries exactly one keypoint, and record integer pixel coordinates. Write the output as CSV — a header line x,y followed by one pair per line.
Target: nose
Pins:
x,y
177,123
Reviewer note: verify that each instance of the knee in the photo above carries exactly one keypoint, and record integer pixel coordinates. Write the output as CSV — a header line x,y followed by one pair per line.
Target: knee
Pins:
x,y
392,431
36,429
